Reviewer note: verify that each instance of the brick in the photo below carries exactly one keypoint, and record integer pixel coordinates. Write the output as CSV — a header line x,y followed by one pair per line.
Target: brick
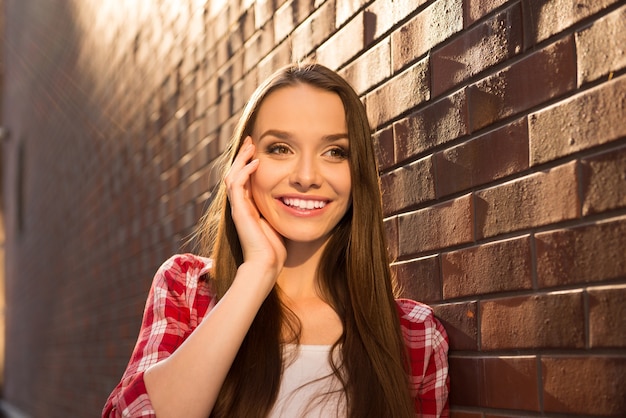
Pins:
x,y
553,320
404,8
208,66
277,58
224,107
399,95
486,158
455,413
259,45
235,38
434,125
482,47
466,380
313,31
588,119
607,316
461,323
511,382
231,72
205,97
346,9
408,186
391,234
544,18
263,11
603,182
303,9
476,9
419,279
601,48
508,382
488,268
384,148
585,254
427,29
210,119
370,69
438,226
284,20
517,88
379,19
592,385
535,200
247,24
222,52
383,16
243,89
343,44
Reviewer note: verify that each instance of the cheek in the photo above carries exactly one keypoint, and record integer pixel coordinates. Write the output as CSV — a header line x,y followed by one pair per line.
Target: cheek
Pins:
x,y
268,175
260,190
256,187
343,182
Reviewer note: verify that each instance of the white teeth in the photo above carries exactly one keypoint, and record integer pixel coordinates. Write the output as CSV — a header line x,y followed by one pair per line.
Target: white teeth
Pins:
x,y
304,204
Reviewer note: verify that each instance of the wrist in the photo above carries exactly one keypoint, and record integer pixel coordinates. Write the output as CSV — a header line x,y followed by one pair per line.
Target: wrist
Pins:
x,y
257,276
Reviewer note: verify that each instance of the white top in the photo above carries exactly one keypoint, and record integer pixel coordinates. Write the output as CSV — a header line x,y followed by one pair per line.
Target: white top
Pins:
x,y
300,393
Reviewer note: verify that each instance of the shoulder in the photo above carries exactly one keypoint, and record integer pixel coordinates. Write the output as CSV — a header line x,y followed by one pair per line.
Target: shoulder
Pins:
x,y
418,322
180,288
427,354
184,263
182,272
414,313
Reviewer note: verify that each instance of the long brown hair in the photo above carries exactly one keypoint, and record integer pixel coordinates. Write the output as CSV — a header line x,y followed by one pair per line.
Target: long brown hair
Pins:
x,y
354,277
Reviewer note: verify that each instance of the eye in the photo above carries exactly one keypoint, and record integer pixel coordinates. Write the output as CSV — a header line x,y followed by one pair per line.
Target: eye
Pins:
x,y
337,153
278,149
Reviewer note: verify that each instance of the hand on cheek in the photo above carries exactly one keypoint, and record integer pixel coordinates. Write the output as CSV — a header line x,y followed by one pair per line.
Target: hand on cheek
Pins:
x,y
260,243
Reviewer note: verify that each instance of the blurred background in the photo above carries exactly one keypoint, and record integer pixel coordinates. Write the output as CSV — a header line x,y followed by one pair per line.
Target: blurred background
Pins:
x,y
501,141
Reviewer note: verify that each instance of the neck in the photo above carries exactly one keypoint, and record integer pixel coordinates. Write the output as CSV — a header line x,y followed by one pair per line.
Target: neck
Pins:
x,y
298,277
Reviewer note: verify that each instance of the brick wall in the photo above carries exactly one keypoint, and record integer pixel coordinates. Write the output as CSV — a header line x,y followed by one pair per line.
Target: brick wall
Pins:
x,y
500,132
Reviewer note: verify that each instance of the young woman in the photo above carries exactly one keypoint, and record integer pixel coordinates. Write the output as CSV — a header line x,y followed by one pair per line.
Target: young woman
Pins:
x,y
292,312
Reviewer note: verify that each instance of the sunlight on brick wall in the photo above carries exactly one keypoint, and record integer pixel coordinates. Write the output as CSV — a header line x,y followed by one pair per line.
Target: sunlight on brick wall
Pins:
x,y
501,145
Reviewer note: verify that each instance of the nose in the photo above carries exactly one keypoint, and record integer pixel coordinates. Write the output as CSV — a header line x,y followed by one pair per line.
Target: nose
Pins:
x,y
306,173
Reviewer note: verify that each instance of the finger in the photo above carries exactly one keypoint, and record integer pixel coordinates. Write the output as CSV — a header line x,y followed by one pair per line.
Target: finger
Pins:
x,y
244,154
240,162
238,180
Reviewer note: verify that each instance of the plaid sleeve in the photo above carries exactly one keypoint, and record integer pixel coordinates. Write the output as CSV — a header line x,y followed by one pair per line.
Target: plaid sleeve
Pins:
x,y
427,343
170,314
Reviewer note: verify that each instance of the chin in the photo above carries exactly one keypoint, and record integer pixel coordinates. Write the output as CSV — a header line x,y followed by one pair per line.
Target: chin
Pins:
x,y
305,238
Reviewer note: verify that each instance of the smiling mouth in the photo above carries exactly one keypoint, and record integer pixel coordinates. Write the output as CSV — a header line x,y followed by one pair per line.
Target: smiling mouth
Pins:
x,y
303,204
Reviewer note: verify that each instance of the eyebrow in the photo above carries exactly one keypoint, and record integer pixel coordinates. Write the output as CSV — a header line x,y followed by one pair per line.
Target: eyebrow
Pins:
x,y
286,135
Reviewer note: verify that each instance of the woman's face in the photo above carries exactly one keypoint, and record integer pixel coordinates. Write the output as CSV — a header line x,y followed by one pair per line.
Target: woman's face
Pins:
x,y
302,186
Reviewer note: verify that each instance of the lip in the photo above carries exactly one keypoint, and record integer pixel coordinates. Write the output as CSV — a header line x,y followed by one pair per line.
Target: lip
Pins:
x,y
303,212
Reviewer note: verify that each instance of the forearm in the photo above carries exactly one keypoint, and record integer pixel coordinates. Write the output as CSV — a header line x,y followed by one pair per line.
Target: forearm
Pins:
x,y
187,383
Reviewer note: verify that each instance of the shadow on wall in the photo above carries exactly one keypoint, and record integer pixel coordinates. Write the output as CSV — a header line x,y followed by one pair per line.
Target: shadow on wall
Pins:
x,y
9,411
3,136
2,295
51,108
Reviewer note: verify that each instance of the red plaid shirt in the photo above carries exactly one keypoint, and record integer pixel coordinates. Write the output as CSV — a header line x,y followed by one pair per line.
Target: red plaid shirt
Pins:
x,y
178,301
